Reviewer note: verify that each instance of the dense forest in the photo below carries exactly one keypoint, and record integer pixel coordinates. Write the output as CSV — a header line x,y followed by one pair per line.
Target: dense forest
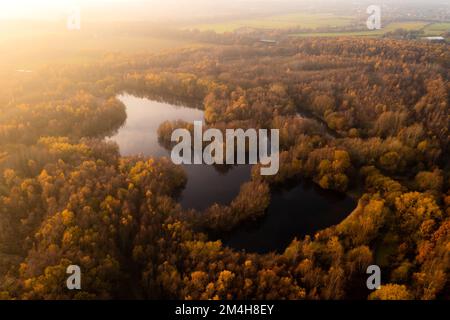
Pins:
x,y
368,117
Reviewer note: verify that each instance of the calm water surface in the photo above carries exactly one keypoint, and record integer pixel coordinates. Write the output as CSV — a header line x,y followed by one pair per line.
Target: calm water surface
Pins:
x,y
139,135
293,212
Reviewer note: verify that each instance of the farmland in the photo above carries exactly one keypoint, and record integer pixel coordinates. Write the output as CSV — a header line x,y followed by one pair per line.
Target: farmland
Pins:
x,y
429,29
313,24
294,20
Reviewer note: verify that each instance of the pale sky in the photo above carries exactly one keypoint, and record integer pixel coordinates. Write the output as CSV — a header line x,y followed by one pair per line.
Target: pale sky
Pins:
x,y
55,9
142,9
38,9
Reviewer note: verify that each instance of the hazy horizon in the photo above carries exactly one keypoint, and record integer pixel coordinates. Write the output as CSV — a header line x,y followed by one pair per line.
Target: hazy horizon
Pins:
x,y
156,10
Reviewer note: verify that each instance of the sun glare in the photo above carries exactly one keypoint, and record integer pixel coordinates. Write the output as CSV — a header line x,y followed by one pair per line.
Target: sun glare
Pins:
x,y
43,9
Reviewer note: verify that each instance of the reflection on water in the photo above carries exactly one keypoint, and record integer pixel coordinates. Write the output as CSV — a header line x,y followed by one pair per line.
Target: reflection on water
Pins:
x,y
138,135
301,210
296,212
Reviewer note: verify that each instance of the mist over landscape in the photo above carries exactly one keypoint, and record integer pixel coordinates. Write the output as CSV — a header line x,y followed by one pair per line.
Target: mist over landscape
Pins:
x,y
202,10
352,98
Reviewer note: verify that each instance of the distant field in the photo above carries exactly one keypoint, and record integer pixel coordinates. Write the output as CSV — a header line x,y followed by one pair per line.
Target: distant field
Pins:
x,y
429,29
408,25
314,21
36,44
337,34
437,29
278,22
30,48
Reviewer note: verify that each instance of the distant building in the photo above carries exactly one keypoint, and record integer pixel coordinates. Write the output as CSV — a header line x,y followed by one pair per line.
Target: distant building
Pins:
x,y
268,41
435,39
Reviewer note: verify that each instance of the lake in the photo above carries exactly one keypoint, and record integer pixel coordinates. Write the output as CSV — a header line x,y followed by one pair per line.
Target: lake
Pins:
x,y
138,136
294,212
